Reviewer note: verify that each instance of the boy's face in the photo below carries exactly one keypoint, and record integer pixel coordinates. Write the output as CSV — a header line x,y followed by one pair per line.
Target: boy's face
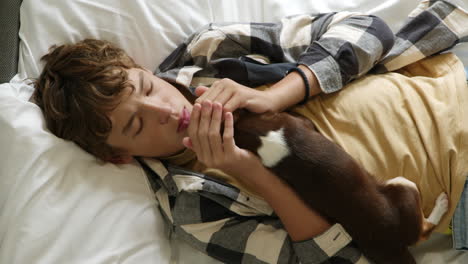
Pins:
x,y
145,123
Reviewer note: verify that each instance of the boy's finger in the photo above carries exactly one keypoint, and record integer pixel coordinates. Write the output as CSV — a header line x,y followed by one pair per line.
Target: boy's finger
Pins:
x,y
209,95
228,136
187,142
224,97
215,137
203,130
200,90
193,126
232,104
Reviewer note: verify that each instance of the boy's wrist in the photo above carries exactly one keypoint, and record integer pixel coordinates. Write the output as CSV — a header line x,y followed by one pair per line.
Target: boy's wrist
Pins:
x,y
264,180
280,98
291,90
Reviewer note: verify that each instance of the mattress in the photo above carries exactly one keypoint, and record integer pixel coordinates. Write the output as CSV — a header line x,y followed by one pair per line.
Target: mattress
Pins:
x,y
9,19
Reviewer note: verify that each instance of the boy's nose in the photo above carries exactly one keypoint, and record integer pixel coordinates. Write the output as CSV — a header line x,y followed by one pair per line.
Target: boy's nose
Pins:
x,y
163,112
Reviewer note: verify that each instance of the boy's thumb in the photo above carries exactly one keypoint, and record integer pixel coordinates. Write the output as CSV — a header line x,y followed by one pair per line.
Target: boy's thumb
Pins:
x,y
187,142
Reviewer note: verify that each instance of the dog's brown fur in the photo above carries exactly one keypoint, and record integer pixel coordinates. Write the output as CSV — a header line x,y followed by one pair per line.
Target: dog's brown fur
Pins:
x,y
383,219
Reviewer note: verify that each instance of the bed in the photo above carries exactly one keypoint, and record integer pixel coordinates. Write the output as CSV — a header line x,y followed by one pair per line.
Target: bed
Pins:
x,y
60,205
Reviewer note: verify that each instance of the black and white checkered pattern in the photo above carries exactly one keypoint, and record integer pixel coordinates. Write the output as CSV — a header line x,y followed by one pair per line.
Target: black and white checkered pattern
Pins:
x,y
221,220
232,226
433,27
345,43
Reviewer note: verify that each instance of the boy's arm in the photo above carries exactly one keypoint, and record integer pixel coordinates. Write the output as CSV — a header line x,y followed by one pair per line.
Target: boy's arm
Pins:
x,y
291,89
348,47
300,221
332,49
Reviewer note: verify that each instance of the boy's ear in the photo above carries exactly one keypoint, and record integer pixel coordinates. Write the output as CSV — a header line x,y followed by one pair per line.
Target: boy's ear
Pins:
x,y
121,159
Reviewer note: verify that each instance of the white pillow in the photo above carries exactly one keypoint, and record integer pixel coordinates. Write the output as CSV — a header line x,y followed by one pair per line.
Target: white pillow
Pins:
x,y
59,205
147,30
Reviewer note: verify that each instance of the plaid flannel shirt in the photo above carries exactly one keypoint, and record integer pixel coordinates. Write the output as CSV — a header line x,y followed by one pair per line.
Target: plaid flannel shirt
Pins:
x,y
223,221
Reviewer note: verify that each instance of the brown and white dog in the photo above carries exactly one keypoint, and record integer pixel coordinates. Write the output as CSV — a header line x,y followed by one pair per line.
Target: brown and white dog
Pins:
x,y
383,218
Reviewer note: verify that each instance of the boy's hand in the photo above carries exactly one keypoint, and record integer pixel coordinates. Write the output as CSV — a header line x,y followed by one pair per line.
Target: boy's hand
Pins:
x,y
232,95
213,149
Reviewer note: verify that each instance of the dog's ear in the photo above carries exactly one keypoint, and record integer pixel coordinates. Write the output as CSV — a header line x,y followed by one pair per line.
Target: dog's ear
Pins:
x,y
238,113
247,131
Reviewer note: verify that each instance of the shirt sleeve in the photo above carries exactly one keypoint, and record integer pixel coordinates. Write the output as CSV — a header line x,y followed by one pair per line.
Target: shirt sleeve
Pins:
x,y
345,47
337,47
335,244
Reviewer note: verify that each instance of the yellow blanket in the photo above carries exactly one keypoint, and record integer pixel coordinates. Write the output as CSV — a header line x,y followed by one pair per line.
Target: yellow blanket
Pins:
x,y
411,123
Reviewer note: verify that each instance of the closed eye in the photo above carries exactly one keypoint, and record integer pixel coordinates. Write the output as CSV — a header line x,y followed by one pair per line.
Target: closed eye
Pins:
x,y
150,90
140,128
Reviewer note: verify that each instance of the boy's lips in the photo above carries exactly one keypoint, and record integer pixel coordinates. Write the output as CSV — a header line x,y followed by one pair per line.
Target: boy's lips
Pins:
x,y
184,120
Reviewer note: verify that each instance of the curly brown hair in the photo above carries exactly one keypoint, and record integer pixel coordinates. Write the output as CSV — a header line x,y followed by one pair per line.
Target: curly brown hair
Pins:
x,y
80,85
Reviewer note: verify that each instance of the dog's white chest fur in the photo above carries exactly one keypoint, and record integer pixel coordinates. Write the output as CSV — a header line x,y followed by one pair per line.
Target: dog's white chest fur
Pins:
x,y
274,148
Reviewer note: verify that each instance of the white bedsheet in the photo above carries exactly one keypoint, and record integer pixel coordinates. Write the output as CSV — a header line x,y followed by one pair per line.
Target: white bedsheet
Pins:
x,y
57,203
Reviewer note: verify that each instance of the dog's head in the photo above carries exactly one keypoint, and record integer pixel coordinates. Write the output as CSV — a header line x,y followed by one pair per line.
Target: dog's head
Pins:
x,y
249,127
261,124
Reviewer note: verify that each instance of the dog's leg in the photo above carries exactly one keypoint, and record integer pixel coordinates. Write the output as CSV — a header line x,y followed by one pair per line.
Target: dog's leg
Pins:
x,y
439,210
402,181
429,224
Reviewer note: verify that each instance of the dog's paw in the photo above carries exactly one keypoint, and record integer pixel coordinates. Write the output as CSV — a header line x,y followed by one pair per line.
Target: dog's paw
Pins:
x,y
441,207
442,202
